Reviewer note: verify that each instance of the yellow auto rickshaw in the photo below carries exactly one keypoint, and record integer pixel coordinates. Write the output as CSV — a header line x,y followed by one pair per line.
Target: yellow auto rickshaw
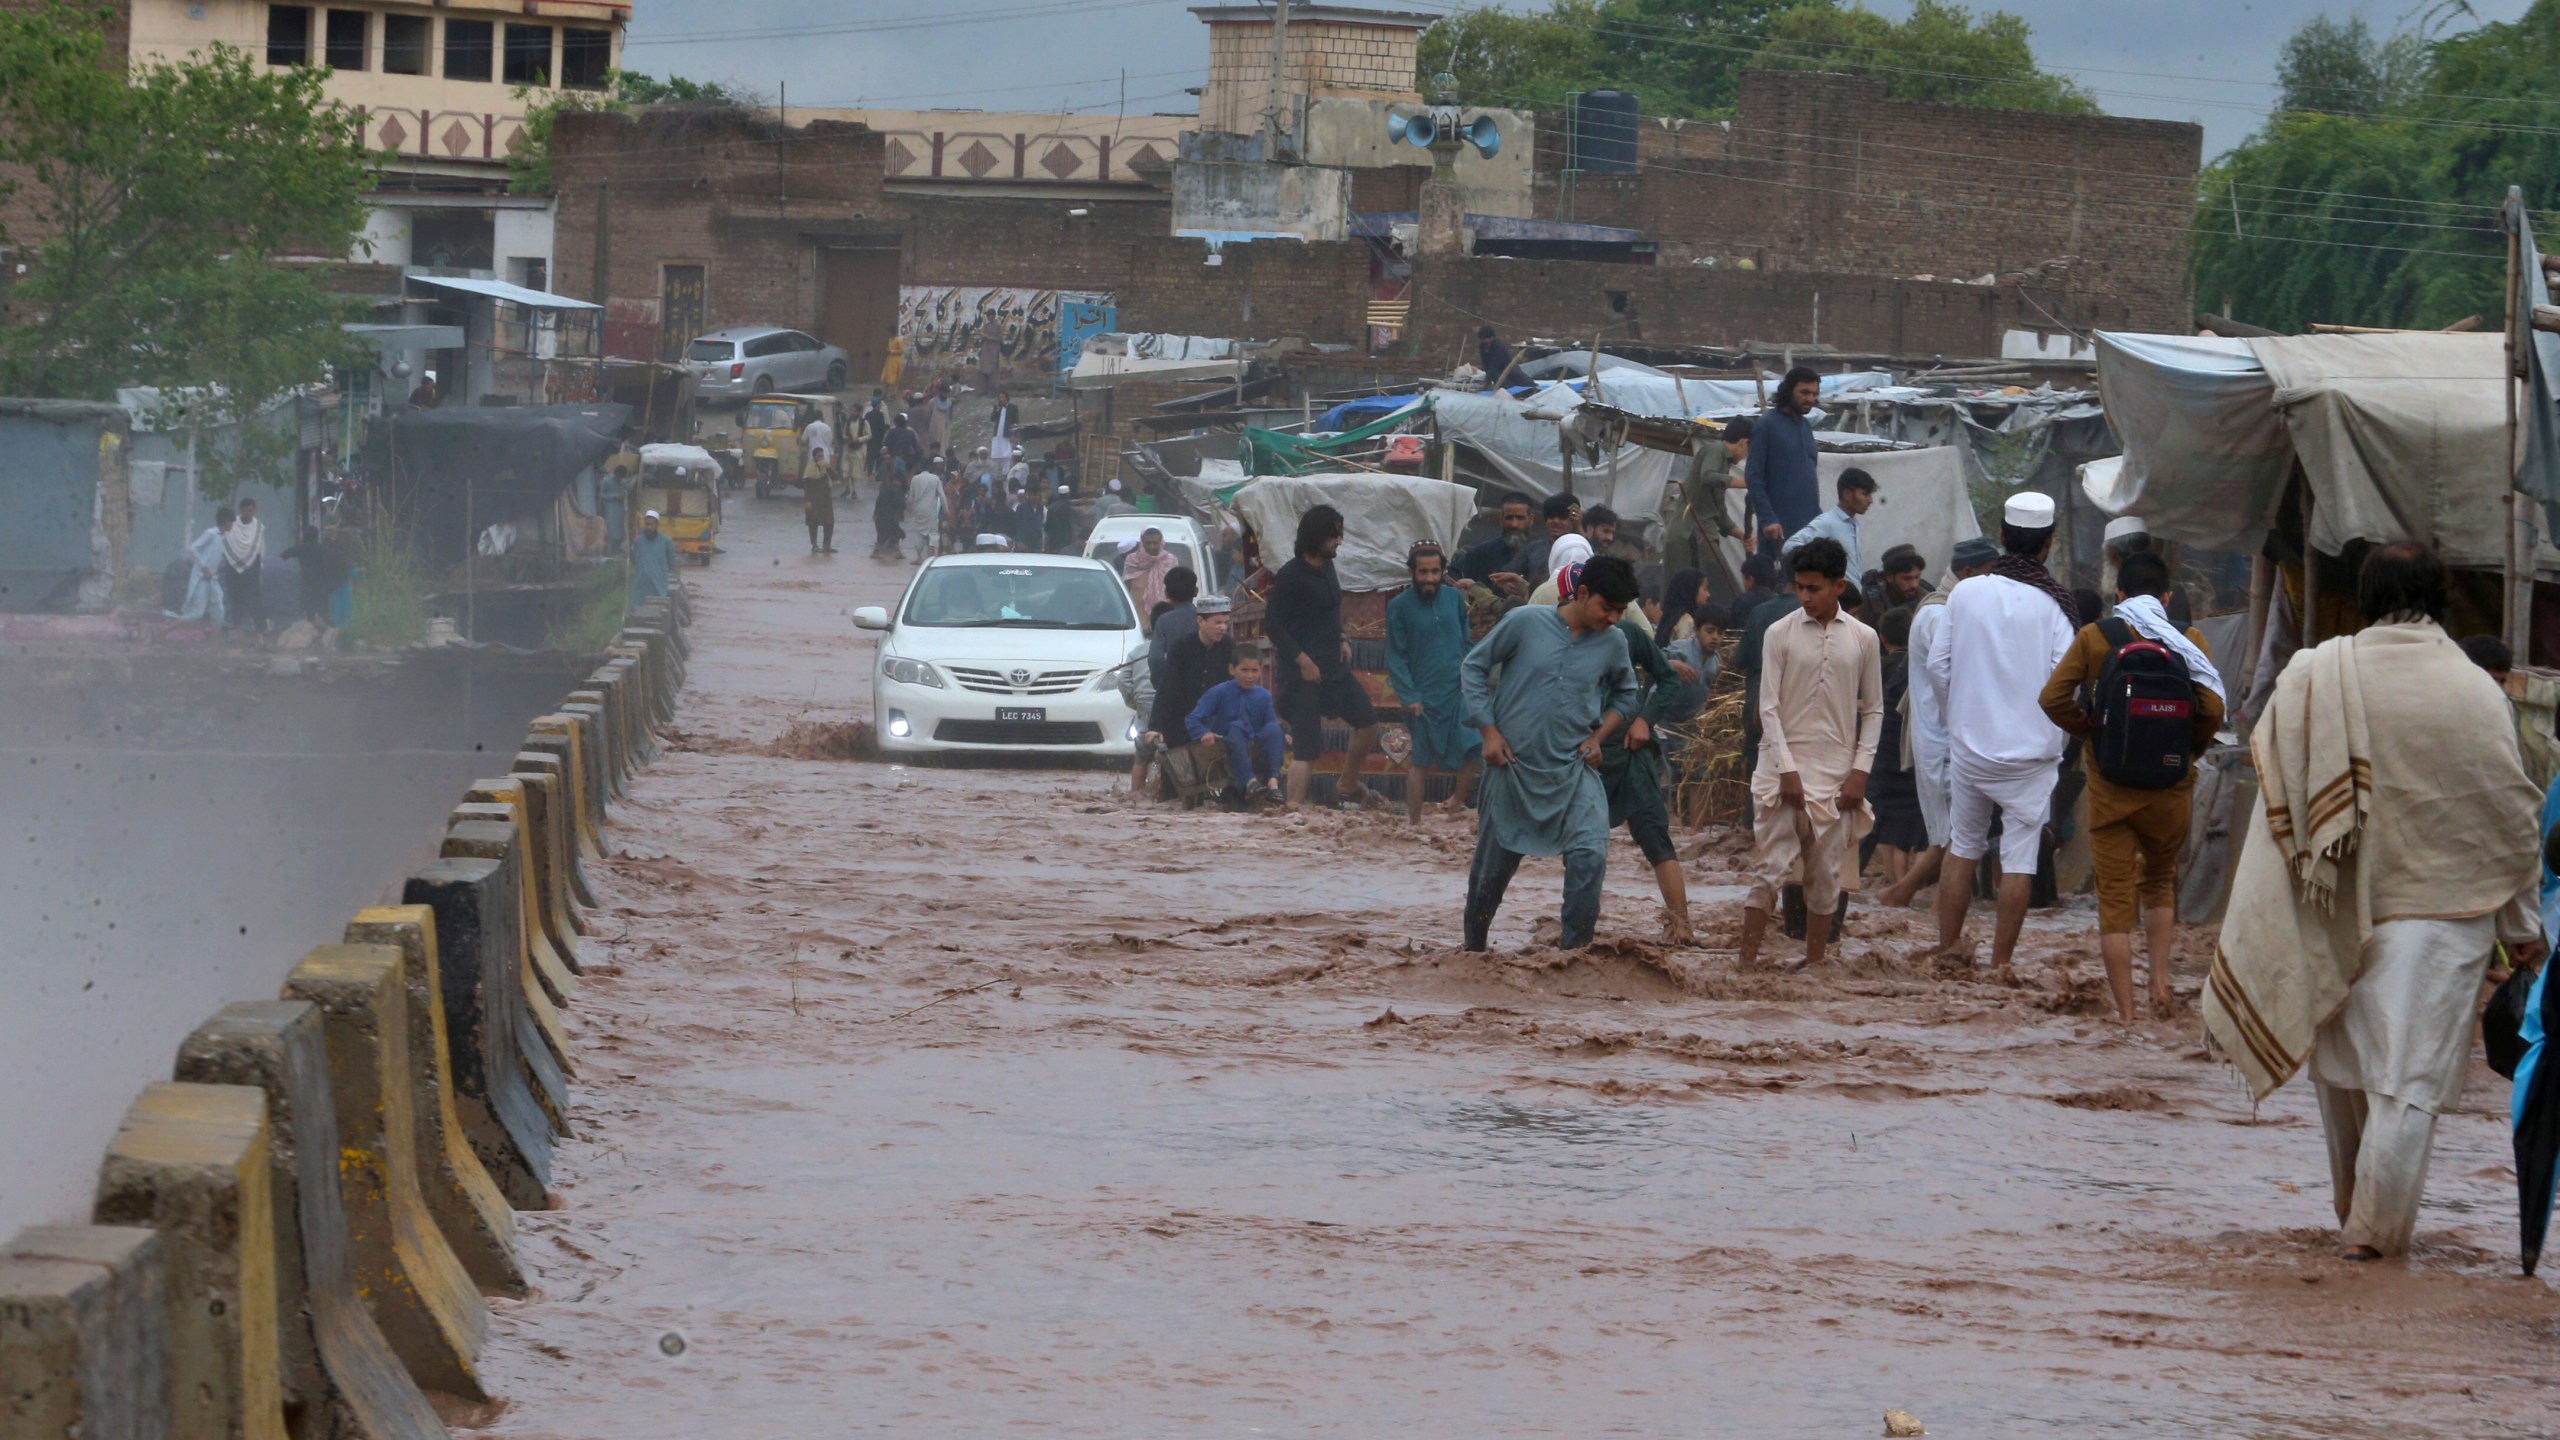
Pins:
x,y
681,483
773,424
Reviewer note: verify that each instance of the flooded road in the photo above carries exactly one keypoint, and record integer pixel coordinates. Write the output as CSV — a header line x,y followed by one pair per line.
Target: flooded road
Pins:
x,y
931,1102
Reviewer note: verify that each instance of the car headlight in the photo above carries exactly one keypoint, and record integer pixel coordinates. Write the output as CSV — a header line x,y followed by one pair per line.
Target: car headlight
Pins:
x,y
911,672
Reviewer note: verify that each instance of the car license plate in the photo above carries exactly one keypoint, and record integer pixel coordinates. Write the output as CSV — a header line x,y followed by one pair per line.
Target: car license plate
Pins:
x,y
1022,712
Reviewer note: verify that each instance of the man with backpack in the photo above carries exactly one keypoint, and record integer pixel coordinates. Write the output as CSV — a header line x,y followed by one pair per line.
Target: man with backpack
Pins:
x,y
2148,700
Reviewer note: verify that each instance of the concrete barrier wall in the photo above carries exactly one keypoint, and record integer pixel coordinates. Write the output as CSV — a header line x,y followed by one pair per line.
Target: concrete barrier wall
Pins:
x,y
293,1236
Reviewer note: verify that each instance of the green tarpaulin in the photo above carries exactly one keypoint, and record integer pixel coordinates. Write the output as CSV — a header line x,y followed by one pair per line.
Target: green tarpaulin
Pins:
x,y
1273,452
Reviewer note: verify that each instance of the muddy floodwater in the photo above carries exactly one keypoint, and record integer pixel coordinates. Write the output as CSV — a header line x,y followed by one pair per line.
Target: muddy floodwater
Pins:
x,y
967,1102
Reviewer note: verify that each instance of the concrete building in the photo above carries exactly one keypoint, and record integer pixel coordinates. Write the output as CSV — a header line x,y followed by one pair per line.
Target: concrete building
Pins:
x,y
436,85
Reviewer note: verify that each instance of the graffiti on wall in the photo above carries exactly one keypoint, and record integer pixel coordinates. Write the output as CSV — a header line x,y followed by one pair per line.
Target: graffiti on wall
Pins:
x,y
944,325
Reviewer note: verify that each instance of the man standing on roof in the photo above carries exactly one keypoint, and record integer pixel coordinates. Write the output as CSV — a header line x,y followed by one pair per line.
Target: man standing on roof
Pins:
x,y
1427,639
1786,493
1698,516
1493,357
2004,632
1302,618
1566,686
1857,492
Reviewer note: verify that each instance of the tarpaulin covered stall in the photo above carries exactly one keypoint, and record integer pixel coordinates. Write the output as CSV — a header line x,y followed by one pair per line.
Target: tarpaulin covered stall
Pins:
x,y
2399,436
1517,435
445,474
1382,515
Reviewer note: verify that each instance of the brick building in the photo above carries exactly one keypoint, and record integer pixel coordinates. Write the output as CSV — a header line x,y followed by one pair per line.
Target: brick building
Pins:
x,y
1823,214
1823,173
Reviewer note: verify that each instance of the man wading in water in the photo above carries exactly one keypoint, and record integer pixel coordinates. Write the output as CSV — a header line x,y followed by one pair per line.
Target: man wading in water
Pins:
x,y
1566,687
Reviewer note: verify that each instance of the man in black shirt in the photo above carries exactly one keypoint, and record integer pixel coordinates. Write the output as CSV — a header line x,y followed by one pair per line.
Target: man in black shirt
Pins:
x,y
1497,561
1192,663
1564,516
1302,619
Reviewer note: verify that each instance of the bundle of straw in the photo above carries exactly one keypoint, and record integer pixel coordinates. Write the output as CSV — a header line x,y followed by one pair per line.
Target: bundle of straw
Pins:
x,y
1708,784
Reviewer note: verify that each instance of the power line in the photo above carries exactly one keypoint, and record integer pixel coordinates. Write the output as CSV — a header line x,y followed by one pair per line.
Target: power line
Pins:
x,y
1044,9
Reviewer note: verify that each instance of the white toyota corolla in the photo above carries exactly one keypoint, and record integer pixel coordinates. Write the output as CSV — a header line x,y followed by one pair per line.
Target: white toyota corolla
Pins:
x,y
1006,652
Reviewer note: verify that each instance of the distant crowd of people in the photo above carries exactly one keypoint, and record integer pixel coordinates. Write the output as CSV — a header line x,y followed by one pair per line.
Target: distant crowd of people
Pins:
x,y
927,500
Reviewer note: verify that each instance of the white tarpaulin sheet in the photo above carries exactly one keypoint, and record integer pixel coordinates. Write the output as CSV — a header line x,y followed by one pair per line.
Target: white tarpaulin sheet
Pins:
x,y
2401,436
1382,516
1519,435
1921,501
1519,438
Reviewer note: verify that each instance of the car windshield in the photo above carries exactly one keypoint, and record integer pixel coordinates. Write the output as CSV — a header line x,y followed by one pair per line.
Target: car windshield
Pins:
x,y
763,416
710,350
1110,553
1037,597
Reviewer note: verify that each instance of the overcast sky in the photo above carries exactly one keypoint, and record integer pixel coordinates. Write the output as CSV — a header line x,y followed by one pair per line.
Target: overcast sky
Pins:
x,y
2209,61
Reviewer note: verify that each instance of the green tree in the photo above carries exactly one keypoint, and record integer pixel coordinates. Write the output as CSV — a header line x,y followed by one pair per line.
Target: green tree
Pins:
x,y
1687,57
1941,52
1526,61
2333,67
159,213
529,165
2386,215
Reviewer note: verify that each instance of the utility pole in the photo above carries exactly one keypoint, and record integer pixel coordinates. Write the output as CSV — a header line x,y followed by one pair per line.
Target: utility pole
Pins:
x,y
1271,128
604,236
781,156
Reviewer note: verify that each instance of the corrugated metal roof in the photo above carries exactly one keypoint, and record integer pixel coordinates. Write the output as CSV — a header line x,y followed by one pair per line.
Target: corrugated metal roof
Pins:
x,y
501,290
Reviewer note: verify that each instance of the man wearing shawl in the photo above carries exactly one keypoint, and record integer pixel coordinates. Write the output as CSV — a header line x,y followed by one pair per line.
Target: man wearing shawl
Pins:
x,y
1566,686
2004,632
1427,639
1143,568
2391,847
204,572
2135,836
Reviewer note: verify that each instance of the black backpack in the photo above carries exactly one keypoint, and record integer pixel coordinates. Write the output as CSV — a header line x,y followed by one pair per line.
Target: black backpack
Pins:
x,y
2145,707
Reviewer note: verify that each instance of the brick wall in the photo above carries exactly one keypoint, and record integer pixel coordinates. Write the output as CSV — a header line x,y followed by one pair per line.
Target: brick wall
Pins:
x,y
1823,173
1693,305
727,190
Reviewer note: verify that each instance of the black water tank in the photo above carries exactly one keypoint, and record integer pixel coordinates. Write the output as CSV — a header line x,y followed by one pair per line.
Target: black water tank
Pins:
x,y
1604,132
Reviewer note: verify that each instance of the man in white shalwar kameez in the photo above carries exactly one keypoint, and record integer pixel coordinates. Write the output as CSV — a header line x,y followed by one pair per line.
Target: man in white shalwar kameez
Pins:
x,y
924,517
204,573
2004,631
2393,845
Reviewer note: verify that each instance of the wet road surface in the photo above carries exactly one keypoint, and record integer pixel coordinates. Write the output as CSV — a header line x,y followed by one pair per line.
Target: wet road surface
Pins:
x,y
973,1101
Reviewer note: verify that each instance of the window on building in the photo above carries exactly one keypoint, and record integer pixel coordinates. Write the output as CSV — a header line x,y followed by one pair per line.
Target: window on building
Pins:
x,y
528,55
288,34
406,40
586,58
346,37
470,48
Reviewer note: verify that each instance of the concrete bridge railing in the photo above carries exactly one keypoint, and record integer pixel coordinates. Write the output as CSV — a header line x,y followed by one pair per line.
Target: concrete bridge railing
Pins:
x,y
294,1235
